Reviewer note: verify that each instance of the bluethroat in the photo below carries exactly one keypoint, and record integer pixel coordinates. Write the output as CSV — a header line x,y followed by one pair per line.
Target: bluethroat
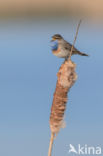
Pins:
x,y
61,48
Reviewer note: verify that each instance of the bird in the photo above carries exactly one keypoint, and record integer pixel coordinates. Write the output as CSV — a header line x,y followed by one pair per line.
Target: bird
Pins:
x,y
61,48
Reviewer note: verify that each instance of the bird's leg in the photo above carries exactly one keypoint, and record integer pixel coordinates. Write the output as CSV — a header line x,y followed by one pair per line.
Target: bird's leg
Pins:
x,y
66,58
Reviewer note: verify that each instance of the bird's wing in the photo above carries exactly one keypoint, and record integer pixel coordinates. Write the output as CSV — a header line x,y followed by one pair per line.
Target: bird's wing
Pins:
x,y
68,46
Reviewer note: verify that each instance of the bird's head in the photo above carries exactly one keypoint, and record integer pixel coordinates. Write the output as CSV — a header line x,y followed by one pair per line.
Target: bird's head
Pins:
x,y
56,37
55,41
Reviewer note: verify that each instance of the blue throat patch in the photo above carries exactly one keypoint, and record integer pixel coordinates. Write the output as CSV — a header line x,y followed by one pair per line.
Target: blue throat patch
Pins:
x,y
54,45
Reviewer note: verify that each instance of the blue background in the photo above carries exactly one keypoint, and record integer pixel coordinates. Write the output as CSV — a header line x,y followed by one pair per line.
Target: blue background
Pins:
x,y
27,83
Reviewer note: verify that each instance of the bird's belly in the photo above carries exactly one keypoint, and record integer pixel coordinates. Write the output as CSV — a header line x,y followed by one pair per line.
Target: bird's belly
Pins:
x,y
61,53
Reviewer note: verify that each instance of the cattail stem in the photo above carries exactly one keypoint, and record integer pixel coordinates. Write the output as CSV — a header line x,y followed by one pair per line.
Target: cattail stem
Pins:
x,y
51,144
75,38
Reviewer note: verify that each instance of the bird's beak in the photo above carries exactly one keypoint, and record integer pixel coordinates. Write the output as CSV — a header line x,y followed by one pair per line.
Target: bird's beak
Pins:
x,y
53,39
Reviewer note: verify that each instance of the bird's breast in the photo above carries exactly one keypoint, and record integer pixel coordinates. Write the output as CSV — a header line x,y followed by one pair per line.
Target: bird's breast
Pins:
x,y
61,53
56,51
54,45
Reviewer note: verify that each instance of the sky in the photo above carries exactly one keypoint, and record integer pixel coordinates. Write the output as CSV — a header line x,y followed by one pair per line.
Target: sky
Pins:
x,y
27,82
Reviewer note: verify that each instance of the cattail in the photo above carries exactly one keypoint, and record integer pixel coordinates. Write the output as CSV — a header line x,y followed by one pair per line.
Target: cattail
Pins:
x,y
66,78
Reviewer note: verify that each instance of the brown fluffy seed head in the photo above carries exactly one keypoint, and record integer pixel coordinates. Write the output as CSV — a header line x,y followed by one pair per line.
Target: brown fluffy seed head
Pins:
x,y
66,78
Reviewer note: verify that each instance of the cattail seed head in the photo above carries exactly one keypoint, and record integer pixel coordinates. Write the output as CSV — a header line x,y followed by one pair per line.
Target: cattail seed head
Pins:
x,y
66,78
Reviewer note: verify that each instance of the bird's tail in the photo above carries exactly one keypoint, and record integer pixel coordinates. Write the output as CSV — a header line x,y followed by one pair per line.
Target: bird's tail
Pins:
x,y
80,53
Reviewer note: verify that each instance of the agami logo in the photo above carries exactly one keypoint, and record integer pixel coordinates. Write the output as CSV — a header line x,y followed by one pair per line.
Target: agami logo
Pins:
x,y
80,150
